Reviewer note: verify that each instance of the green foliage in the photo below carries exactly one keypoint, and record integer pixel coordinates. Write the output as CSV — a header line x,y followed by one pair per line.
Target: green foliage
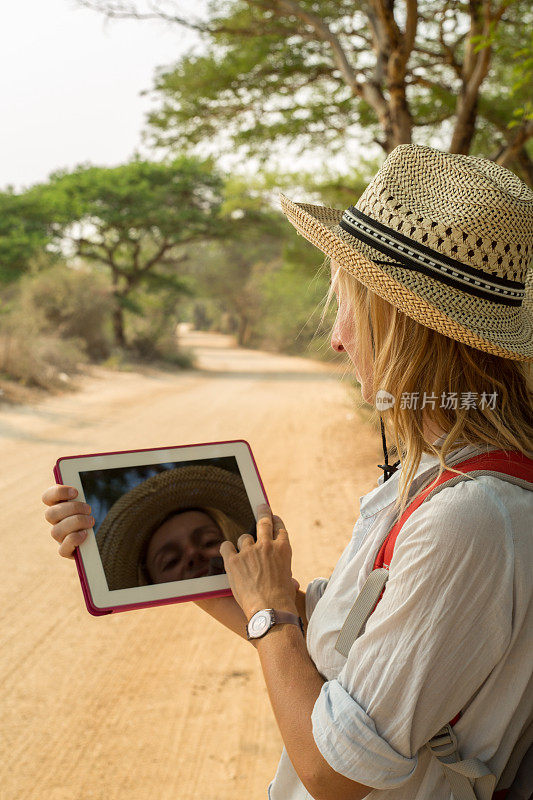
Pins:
x,y
265,284
224,270
24,232
264,289
253,276
339,190
508,88
523,84
227,275
291,303
171,202
268,80
267,84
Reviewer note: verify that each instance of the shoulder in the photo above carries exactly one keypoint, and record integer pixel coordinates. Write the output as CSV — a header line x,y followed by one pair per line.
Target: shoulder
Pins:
x,y
457,555
479,518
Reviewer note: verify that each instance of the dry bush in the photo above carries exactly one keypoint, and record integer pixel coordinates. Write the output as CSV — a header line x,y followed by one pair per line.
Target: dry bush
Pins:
x,y
72,304
53,321
35,358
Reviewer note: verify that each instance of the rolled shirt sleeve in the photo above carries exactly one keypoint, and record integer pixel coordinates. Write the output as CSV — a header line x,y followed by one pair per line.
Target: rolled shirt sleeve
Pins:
x,y
442,625
349,741
313,593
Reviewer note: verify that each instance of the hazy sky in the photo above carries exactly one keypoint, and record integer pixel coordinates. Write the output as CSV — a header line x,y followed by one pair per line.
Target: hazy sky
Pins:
x,y
70,90
70,84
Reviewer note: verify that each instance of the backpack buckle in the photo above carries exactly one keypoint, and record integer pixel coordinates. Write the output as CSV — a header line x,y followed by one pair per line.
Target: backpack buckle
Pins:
x,y
444,743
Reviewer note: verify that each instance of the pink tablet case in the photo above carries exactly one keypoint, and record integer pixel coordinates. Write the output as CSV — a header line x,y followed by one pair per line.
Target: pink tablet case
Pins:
x,y
98,612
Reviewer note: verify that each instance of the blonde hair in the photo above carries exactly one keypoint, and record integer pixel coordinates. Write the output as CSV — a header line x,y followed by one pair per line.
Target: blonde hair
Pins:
x,y
410,358
231,529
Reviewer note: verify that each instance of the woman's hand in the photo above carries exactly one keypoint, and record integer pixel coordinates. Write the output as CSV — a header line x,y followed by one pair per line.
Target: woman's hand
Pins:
x,y
70,519
259,573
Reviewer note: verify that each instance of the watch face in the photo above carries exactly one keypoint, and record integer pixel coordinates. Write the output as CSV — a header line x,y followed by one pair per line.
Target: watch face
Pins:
x,y
259,623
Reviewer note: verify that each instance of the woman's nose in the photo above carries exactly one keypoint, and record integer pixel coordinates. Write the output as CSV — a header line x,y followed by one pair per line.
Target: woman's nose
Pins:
x,y
336,344
194,555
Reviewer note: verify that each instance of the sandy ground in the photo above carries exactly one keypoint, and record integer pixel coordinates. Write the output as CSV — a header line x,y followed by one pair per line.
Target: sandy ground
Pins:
x,y
161,703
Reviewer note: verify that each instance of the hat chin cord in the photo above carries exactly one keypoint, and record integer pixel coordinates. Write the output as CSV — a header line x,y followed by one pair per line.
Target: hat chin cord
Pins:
x,y
388,469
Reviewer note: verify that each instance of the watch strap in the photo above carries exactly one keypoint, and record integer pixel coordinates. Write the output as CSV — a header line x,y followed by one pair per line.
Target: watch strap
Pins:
x,y
286,616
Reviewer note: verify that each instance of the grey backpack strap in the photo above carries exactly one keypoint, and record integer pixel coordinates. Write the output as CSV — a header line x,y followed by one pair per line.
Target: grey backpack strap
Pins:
x,y
462,775
471,779
361,610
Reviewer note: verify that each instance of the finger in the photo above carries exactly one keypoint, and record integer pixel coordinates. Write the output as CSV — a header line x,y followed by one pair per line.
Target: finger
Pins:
x,y
59,511
279,527
226,549
70,542
79,522
58,493
245,540
264,522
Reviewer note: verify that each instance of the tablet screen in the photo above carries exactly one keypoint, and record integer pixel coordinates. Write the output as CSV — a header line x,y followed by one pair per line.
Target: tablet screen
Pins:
x,y
164,522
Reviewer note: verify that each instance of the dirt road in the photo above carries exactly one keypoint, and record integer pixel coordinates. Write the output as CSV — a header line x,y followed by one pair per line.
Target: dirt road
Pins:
x,y
162,703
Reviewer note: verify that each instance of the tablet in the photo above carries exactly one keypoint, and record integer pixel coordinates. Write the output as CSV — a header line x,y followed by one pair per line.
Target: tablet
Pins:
x,y
160,517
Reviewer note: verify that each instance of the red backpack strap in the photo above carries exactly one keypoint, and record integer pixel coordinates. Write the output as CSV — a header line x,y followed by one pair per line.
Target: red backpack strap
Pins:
x,y
507,462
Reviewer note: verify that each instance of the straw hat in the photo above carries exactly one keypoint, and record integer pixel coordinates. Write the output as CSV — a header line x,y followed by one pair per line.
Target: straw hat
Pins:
x,y
445,238
131,520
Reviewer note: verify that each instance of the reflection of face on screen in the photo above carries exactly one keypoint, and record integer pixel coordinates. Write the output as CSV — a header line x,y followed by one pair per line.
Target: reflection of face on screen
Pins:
x,y
185,546
167,526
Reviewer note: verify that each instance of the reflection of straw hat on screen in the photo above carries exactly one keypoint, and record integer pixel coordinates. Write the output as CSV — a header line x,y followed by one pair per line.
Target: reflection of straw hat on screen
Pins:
x,y
126,530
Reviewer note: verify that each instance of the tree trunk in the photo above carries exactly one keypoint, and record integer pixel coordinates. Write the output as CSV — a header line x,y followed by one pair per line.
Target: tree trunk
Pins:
x,y
118,311
401,122
525,164
118,324
244,331
465,126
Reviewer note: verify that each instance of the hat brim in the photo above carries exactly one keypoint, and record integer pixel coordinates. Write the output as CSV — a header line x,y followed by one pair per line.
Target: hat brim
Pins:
x,y
448,313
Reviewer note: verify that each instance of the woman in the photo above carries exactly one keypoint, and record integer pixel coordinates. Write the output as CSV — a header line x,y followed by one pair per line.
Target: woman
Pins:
x,y
431,270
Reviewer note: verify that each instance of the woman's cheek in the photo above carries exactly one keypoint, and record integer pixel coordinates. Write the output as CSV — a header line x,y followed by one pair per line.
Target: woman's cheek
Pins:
x,y
347,329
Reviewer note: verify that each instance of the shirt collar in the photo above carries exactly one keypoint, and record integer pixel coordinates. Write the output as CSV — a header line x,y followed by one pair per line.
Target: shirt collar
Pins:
x,y
386,492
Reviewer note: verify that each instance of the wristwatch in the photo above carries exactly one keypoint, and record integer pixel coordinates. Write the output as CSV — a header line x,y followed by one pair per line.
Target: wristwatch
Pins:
x,y
261,622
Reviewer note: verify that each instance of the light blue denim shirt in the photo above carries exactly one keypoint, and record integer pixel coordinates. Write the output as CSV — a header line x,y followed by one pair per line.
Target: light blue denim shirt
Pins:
x,y
454,624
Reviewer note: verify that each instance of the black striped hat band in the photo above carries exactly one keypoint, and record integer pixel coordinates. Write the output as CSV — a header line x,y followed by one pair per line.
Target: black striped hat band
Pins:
x,y
418,257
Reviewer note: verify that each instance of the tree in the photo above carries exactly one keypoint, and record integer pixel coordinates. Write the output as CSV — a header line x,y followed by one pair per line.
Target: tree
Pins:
x,y
311,71
23,232
264,284
137,220
228,271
